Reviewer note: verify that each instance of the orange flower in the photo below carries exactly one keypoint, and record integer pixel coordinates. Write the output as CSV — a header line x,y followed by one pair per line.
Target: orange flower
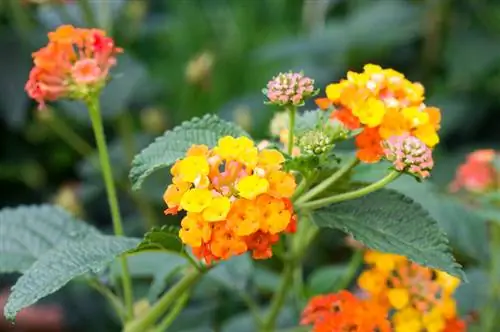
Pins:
x,y
237,199
369,145
343,312
420,298
75,63
385,101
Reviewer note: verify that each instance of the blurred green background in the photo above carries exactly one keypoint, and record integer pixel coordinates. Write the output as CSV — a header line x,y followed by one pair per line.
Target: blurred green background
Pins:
x,y
185,58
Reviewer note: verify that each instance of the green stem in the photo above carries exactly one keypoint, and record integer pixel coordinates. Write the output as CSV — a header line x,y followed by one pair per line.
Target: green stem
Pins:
x,y
106,19
69,136
174,312
352,268
328,181
279,297
488,321
300,189
350,195
142,323
291,114
96,119
113,300
252,306
88,13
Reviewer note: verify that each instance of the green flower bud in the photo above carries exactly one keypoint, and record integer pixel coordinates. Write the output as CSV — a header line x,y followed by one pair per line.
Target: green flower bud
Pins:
x,y
315,142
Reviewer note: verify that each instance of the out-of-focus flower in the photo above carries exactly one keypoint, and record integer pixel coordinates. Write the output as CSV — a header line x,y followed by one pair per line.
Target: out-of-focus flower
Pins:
x,y
74,64
279,123
409,154
67,198
236,197
154,120
342,312
478,174
242,116
420,298
382,103
199,68
289,89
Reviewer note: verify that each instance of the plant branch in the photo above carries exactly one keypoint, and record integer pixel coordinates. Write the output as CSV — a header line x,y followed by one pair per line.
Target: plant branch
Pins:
x,y
279,296
328,181
96,119
174,312
142,323
291,114
350,195
113,300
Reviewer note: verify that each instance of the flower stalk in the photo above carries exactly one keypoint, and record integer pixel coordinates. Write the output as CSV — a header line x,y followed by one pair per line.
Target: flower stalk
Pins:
x,y
319,203
141,324
96,119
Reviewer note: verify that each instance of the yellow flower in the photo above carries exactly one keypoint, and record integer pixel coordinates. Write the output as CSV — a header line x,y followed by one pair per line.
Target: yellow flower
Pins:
x,y
398,297
371,112
427,134
192,167
196,200
270,160
334,91
217,210
415,116
193,232
252,186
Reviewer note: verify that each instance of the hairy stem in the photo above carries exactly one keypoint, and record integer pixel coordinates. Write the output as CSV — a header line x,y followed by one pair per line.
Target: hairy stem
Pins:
x,y
142,323
96,119
174,312
291,114
279,297
328,181
351,194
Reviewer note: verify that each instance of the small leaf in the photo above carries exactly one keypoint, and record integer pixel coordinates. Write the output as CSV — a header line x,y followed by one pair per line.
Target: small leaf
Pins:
x,y
28,232
326,279
309,120
390,222
61,264
165,238
165,150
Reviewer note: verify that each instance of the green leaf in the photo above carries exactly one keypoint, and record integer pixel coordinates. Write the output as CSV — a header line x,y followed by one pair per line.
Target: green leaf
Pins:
x,y
326,279
234,273
390,222
165,150
165,238
61,264
28,232
309,120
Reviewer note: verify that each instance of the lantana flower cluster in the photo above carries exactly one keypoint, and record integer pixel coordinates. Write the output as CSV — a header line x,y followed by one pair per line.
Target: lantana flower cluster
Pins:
x,y
75,63
382,103
289,89
478,174
342,312
237,199
418,298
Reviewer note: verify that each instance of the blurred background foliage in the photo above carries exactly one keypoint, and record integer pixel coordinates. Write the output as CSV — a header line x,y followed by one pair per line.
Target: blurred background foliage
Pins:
x,y
185,58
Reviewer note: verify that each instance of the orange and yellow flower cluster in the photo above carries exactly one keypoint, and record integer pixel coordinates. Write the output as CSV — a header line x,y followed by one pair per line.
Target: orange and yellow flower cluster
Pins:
x,y
237,199
75,63
383,103
341,312
420,298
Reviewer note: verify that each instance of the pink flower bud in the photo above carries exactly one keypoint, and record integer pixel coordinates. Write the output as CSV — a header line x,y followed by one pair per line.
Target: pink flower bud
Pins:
x,y
409,154
289,88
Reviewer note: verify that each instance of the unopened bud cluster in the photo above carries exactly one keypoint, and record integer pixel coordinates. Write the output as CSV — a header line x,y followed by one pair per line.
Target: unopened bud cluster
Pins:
x,y
315,142
289,89
409,154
